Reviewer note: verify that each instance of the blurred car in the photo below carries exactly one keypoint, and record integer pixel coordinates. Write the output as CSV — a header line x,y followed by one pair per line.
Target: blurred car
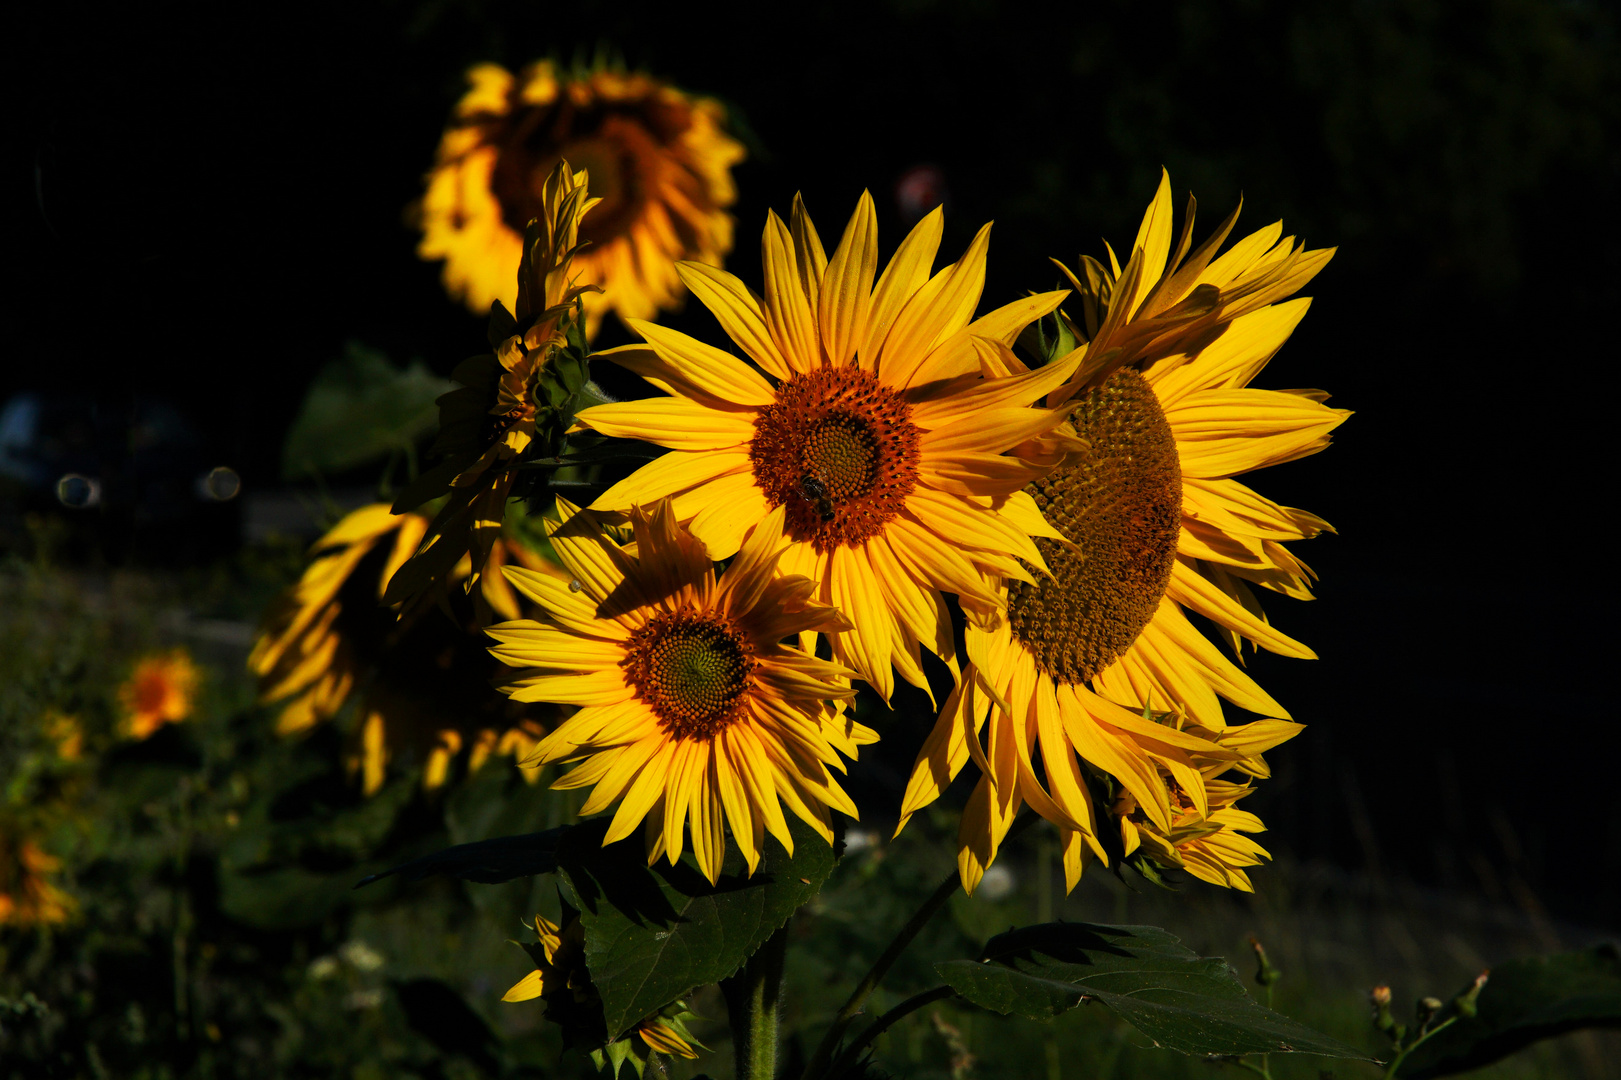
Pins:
x,y
132,478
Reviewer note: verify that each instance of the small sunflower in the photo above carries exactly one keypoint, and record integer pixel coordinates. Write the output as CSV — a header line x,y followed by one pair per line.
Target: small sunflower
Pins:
x,y
690,704
867,423
419,676
489,426
1151,524
1206,837
563,982
161,690
659,159
28,897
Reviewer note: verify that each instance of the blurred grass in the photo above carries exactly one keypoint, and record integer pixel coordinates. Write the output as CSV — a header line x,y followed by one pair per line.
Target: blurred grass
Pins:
x,y
218,933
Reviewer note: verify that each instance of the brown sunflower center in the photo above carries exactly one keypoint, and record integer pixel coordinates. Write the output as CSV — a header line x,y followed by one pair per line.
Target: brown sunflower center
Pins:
x,y
839,448
619,145
1122,506
693,670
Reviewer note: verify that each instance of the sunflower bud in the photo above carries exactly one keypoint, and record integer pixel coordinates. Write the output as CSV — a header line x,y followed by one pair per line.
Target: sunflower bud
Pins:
x,y
1465,1002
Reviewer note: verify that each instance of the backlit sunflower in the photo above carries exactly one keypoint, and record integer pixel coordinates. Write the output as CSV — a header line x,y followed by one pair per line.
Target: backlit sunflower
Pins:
x,y
658,159
1152,524
691,706
422,679
868,423
563,982
159,691
28,897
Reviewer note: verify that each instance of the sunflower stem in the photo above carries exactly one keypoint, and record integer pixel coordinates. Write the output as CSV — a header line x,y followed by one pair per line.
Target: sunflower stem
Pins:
x,y
753,997
852,1008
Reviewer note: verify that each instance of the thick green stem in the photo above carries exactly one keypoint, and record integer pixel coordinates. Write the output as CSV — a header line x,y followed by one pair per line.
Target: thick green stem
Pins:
x,y
752,999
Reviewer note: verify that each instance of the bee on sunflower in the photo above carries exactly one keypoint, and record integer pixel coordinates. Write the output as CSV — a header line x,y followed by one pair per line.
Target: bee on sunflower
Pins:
x,y
659,159
420,679
1149,523
865,420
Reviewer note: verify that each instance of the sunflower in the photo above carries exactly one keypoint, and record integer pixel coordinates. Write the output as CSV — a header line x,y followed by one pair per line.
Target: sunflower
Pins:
x,y
562,980
1206,837
658,158
1152,525
420,675
489,427
159,691
867,423
690,704
28,897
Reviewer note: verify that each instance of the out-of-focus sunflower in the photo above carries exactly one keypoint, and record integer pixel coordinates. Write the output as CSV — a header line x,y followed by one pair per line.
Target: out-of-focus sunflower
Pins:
x,y
511,403
28,897
659,160
1152,523
160,690
563,982
868,423
422,678
691,706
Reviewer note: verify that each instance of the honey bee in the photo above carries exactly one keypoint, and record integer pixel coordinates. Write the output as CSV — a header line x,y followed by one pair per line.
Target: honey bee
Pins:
x,y
813,491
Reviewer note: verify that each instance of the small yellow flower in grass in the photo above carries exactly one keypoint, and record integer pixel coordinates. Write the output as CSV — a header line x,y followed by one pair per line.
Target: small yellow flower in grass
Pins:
x,y
27,895
691,706
658,159
487,427
160,691
867,423
328,633
1149,524
65,731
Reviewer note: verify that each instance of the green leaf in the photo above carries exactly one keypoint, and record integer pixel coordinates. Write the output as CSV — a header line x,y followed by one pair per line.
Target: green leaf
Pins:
x,y
1144,975
360,408
652,935
1522,1002
489,862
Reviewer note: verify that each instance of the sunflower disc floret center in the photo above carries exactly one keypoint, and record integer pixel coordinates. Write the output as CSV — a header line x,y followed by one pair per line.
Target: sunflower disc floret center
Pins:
x,y
693,670
840,450
1121,504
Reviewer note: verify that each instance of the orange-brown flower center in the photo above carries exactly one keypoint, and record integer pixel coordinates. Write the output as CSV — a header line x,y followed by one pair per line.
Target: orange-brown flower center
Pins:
x,y
621,144
839,448
1122,506
693,669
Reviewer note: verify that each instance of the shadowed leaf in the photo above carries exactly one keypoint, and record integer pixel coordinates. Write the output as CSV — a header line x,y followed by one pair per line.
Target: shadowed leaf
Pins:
x,y
652,935
1142,974
490,862
1523,1002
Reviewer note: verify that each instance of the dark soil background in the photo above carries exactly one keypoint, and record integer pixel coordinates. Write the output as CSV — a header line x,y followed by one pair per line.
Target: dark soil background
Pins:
x,y
207,203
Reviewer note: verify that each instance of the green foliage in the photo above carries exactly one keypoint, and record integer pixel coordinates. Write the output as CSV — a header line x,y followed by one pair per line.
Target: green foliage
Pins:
x,y
360,409
1522,1002
1141,973
653,935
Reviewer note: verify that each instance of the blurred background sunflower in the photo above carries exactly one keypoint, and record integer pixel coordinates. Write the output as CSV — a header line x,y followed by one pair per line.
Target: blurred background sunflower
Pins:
x,y
659,159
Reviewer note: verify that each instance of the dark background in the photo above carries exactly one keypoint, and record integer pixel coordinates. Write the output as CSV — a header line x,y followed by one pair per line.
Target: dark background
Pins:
x,y
208,202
